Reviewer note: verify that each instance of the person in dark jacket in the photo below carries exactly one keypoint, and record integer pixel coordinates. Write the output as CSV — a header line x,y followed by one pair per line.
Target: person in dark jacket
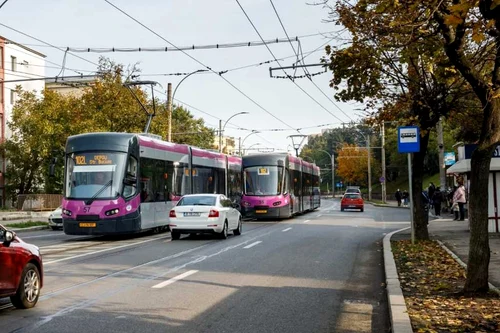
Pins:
x,y
398,196
437,199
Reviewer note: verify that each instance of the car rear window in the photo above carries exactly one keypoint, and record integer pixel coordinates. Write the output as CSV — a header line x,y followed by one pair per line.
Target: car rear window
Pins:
x,y
352,190
352,196
198,200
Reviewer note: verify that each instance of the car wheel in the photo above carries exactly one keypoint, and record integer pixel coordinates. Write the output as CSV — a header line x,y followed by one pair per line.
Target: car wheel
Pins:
x,y
341,209
223,233
54,228
175,235
29,288
237,231
362,210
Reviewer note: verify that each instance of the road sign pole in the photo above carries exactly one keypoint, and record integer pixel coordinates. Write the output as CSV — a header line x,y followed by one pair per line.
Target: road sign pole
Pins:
x,y
409,142
410,185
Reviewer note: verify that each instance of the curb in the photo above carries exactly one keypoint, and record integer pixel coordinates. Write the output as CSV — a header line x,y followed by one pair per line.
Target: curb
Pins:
x,y
464,265
400,320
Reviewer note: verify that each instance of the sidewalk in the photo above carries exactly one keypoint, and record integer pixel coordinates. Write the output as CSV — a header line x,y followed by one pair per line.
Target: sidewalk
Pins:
x,y
455,236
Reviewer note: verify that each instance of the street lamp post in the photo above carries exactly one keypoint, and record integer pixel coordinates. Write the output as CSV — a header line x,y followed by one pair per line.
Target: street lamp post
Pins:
x,y
243,142
332,158
171,100
221,128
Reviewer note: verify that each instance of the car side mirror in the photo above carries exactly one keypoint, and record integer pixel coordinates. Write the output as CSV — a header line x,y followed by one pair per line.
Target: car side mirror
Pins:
x,y
9,236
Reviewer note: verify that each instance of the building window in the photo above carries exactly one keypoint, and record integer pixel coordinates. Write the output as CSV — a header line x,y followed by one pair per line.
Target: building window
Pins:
x,y
13,63
12,96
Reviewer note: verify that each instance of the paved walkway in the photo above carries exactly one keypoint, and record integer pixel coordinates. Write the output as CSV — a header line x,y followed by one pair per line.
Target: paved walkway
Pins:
x,y
455,235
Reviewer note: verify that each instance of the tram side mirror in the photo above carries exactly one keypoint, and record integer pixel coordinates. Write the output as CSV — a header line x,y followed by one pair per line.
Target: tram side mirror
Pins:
x,y
130,180
52,167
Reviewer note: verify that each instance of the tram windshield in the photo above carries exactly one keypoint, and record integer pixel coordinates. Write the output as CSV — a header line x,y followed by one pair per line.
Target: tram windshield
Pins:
x,y
263,180
95,175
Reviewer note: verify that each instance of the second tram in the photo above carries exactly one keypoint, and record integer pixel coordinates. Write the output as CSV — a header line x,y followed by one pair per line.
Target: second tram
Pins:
x,y
278,186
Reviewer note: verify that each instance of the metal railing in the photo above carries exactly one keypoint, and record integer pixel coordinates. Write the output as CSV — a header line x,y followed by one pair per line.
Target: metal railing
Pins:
x,y
38,202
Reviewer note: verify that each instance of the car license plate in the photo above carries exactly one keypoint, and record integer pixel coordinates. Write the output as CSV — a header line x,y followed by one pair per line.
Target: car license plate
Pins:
x,y
261,211
352,206
191,214
87,225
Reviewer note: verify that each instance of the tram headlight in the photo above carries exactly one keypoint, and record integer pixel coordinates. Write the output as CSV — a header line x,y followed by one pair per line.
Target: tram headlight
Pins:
x,y
66,212
277,203
112,212
245,204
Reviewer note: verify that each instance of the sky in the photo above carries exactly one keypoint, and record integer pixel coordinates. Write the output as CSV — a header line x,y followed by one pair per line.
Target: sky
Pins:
x,y
276,107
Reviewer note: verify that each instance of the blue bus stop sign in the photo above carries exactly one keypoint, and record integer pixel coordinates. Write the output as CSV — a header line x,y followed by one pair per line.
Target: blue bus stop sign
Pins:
x,y
408,139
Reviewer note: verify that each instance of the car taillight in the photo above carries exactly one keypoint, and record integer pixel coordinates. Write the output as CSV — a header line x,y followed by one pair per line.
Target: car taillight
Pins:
x,y
213,213
172,213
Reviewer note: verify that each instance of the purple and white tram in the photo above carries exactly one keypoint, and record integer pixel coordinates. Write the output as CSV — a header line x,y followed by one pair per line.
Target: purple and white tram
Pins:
x,y
278,186
120,183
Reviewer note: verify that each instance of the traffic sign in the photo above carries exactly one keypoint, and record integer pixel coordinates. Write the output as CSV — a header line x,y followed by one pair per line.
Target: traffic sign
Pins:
x,y
408,139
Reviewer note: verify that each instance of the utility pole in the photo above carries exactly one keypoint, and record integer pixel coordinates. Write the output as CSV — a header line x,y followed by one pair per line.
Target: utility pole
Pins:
x,y
169,111
369,168
333,175
220,135
384,189
442,170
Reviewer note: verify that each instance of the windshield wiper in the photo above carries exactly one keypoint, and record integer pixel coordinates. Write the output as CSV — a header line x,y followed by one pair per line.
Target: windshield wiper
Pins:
x,y
88,202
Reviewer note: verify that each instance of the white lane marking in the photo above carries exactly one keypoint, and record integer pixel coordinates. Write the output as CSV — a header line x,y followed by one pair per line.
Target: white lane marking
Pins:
x,y
306,221
285,230
174,279
104,250
44,236
252,245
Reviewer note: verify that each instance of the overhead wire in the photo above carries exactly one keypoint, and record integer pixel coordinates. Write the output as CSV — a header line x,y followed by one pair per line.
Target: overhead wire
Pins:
x,y
306,72
228,70
199,62
44,42
291,79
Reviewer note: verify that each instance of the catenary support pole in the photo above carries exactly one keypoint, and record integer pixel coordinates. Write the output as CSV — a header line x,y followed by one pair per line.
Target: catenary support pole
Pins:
x,y
169,111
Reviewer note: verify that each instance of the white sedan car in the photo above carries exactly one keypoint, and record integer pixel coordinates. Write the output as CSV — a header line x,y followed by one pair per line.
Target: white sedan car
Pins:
x,y
55,219
204,213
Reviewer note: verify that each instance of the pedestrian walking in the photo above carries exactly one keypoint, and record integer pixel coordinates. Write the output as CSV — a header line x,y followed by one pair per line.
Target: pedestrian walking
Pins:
x,y
430,192
461,200
406,196
437,199
398,196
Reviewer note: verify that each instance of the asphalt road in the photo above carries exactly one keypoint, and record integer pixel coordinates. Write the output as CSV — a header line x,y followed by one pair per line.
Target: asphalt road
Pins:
x,y
318,272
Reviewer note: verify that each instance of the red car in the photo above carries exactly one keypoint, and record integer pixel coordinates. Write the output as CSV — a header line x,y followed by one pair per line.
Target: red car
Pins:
x,y
352,201
21,270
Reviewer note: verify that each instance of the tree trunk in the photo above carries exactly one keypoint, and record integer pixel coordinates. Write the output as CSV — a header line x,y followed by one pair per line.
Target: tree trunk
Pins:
x,y
420,215
479,247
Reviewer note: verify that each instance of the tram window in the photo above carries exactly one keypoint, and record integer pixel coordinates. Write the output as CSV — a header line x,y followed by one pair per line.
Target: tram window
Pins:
x,y
155,183
287,182
221,181
297,182
234,184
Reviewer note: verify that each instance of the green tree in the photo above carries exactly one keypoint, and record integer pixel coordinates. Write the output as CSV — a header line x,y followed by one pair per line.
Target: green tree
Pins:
x,y
444,48
400,73
41,124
